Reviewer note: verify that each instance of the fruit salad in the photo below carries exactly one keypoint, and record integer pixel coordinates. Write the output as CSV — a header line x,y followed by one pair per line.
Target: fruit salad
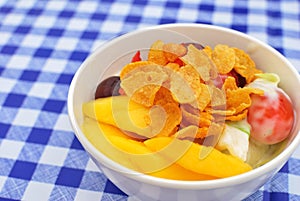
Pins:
x,y
189,112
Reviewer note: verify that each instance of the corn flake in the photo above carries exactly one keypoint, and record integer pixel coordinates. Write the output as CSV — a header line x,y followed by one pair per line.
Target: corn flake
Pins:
x,y
224,58
173,50
245,66
201,62
156,53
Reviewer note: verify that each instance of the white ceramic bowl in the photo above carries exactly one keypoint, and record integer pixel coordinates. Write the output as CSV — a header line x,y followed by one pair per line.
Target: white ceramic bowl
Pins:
x,y
98,66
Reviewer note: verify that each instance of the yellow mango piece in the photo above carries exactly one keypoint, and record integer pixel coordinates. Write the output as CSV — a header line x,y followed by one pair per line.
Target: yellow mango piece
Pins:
x,y
121,148
198,158
97,134
177,172
106,110
125,114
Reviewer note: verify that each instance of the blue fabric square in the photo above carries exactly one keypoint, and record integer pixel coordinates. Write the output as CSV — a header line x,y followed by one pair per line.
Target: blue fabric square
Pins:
x,y
99,16
18,133
35,11
111,188
171,4
206,7
285,168
76,144
92,35
29,75
39,135
275,196
14,189
93,181
66,14
9,49
31,152
140,2
5,166
274,31
4,129
274,13
46,173
43,52
65,78
63,193
23,170
167,20
55,32
78,55
14,100
61,138
241,28
133,18
240,10
69,177
7,199
23,29
54,105
5,9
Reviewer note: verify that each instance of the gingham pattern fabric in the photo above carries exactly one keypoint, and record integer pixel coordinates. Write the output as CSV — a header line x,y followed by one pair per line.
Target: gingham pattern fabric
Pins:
x,y
43,43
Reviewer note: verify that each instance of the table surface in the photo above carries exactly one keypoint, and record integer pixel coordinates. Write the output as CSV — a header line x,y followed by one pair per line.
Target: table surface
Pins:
x,y
43,43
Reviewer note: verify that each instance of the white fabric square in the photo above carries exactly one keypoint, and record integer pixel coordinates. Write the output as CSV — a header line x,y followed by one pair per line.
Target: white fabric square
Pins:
x,y
25,4
55,65
41,90
120,9
87,6
294,183
292,43
13,19
54,155
63,123
257,20
34,41
10,149
187,14
112,26
97,44
19,61
77,24
88,195
295,63
227,3
291,25
222,18
153,11
296,154
290,7
2,181
37,191
6,84
45,21
26,117
91,166
66,44
257,4
56,5
4,37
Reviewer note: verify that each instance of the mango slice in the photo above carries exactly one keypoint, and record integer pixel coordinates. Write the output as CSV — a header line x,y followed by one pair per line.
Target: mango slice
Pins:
x,y
198,158
121,148
177,172
125,114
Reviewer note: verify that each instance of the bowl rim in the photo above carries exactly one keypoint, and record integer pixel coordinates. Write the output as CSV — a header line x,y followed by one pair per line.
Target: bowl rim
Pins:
x,y
274,164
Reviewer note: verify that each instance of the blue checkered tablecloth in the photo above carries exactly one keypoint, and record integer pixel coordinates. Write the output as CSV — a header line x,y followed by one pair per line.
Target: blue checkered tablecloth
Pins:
x,y
43,43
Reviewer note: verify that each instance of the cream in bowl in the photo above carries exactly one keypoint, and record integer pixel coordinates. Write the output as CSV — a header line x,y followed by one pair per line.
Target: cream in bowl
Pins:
x,y
186,133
